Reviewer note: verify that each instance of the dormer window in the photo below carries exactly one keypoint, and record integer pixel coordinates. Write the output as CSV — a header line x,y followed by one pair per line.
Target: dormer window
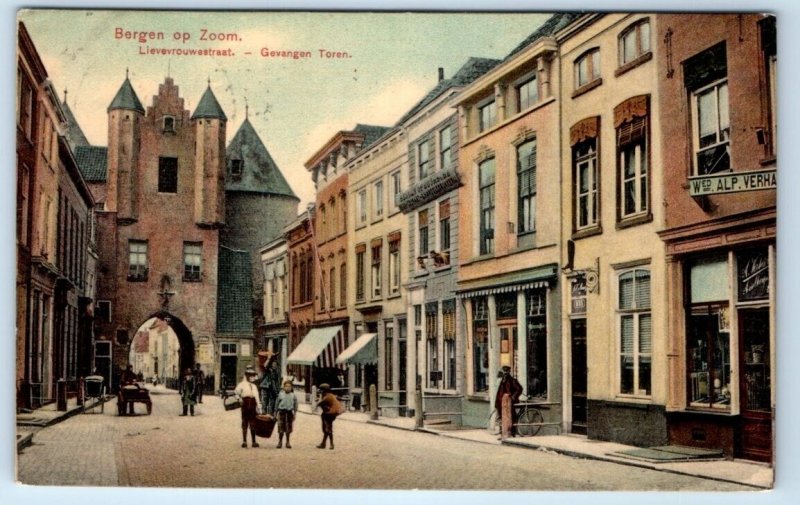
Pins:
x,y
237,168
169,124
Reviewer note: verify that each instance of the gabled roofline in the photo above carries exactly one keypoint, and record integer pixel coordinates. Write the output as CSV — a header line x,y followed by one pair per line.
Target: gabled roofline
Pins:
x,y
339,138
30,54
542,46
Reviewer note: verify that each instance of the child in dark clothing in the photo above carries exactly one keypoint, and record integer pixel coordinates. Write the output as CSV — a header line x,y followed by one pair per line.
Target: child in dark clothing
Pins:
x,y
330,409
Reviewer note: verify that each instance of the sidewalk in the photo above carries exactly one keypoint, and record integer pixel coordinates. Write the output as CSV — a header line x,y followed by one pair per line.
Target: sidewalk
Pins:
x,y
748,473
28,423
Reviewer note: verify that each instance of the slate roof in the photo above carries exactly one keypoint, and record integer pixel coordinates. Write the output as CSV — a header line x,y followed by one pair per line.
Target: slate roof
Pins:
x,y
234,292
469,71
371,133
92,162
126,98
75,136
553,24
260,173
209,107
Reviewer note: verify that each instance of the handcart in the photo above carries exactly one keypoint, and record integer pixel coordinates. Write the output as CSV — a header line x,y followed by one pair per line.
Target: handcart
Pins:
x,y
130,394
94,387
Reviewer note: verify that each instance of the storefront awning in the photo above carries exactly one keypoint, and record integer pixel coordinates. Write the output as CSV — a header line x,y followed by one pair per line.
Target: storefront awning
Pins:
x,y
319,347
532,278
363,351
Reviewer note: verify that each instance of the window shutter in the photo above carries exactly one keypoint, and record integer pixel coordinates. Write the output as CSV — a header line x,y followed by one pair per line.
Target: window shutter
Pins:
x,y
642,289
626,291
444,209
626,324
645,334
632,131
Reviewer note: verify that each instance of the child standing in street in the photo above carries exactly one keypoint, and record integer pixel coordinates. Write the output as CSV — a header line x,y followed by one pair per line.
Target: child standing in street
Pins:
x,y
330,409
286,409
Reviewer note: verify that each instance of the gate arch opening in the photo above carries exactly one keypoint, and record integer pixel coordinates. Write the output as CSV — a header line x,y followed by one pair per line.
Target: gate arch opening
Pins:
x,y
161,349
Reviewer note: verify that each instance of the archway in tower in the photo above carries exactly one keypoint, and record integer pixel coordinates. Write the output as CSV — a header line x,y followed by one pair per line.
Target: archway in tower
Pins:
x,y
161,349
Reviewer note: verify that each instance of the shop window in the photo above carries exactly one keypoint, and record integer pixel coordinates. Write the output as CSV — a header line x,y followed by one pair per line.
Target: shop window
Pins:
x,y
388,348
431,334
480,345
536,319
635,332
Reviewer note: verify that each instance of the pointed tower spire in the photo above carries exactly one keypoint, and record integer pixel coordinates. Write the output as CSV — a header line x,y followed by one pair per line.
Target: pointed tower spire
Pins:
x,y
65,95
126,98
246,108
209,107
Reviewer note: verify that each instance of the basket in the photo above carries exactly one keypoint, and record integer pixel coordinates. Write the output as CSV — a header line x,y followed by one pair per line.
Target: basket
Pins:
x,y
233,404
263,425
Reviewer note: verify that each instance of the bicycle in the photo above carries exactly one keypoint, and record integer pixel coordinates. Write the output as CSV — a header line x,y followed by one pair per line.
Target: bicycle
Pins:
x,y
529,419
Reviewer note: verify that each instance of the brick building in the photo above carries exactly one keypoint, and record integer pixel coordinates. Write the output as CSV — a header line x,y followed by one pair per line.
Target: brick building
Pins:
x,y
717,92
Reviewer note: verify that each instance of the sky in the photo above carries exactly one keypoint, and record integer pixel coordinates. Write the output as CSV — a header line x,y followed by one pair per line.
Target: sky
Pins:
x,y
295,105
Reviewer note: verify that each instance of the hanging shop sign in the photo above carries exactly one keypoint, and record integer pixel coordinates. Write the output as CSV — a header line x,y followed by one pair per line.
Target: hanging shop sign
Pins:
x,y
732,182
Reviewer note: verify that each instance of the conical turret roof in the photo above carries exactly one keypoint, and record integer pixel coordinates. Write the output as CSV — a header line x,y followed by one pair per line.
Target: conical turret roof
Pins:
x,y
126,98
260,173
209,107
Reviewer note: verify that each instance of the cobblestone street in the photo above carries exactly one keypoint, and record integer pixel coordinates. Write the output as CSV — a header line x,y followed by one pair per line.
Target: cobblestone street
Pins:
x,y
164,449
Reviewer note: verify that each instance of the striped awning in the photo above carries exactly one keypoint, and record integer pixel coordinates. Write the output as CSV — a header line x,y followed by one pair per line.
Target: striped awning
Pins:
x,y
363,351
319,347
533,278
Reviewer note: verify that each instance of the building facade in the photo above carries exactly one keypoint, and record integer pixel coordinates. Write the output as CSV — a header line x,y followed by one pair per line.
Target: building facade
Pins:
x,y
614,322
717,90
275,329
430,202
509,234
378,322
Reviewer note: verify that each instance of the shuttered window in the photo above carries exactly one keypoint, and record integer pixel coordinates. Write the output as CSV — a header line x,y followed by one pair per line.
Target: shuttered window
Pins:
x,y
635,332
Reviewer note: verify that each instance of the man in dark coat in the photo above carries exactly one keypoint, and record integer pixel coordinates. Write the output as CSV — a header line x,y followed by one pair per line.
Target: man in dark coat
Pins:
x,y
510,386
200,381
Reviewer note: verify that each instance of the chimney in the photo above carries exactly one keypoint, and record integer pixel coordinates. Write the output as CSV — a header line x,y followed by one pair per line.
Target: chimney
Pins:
x,y
441,74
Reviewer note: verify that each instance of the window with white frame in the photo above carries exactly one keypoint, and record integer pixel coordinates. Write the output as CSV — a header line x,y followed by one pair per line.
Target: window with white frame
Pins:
x,y
527,92
487,115
360,251
449,343
431,334
444,231
487,205
586,184
361,206
378,199
445,147
635,332
526,187
388,355
192,261
394,267
633,185
587,68
376,271
706,80
397,188
422,229
137,260
424,162
634,41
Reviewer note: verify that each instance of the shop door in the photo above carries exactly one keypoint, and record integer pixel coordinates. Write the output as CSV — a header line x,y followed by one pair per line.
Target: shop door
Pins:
x,y
227,368
579,373
755,429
